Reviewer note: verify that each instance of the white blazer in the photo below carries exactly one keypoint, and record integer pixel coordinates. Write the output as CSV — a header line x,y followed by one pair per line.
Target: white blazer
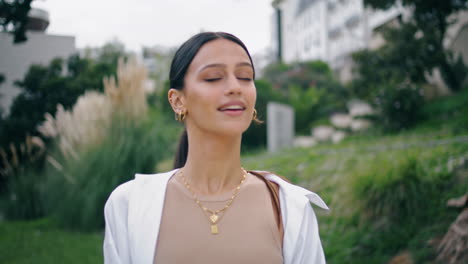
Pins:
x,y
133,214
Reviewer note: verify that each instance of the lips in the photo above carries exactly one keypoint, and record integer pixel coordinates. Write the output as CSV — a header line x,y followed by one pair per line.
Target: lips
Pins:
x,y
233,106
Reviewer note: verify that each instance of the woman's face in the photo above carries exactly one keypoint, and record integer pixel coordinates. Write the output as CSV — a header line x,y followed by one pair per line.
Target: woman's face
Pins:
x,y
219,93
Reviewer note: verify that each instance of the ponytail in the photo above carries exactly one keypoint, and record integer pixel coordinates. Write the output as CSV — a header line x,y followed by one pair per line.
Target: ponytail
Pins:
x,y
182,151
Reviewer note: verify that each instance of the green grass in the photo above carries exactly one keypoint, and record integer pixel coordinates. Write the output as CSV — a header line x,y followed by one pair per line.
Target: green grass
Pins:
x,y
40,242
382,202
387,192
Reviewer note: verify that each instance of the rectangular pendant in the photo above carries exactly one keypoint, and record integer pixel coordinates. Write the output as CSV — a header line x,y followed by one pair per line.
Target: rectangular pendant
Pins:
x,y
214,229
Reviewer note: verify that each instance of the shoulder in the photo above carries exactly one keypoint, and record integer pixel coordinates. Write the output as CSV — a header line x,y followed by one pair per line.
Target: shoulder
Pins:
x,y
142,183
301,242
120,195
294,192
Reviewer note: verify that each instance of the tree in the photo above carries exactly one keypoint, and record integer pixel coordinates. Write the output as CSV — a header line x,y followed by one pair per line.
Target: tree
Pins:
x,y
43,87
432,18
390,77
310,88
14,18
256,135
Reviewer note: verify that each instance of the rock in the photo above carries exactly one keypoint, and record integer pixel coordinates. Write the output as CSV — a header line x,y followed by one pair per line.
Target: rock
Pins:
x,y
323,133
459,202
304,142
359,108
338,136
454,246
341,120
360,125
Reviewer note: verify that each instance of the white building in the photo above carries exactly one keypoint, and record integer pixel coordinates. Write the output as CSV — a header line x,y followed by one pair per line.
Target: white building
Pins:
x,y
331,30
328,30
40,48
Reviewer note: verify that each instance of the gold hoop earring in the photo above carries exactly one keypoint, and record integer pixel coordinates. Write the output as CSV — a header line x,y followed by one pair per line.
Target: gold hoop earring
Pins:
x,y
180,116
255,119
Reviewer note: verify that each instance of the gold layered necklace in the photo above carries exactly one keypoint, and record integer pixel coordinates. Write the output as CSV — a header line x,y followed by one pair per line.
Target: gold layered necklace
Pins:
x,y
213,214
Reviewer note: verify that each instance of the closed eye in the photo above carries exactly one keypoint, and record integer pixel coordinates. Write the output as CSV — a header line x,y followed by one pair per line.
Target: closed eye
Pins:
x,y
212,79
245,79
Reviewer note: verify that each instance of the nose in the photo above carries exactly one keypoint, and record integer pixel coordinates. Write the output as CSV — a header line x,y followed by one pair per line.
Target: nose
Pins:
x,y
233,86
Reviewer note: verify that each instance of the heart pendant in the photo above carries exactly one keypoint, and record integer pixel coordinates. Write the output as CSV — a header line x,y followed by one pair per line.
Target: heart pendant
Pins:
x,y
213,218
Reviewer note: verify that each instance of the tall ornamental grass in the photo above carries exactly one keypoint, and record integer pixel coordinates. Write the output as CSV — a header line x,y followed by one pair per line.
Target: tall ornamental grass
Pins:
x,y
102,142
76,190
20,180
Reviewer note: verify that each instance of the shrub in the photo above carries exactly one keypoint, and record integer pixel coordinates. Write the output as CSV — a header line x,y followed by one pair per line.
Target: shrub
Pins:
x,y
400,106
397,189
20,180
256,136
22,199
76,189
95,153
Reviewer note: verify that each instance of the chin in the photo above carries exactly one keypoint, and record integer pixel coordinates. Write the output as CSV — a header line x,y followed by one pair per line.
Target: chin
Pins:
x,y
233,128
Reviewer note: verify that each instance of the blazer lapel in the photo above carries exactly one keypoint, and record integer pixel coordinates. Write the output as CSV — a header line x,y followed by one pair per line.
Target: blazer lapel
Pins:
x,y
144,216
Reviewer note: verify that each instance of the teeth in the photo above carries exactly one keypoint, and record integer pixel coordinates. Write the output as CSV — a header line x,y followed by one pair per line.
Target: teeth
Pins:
x,y
233,107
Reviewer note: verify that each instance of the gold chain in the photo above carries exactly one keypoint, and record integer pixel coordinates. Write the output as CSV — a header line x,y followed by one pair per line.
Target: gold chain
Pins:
x,y
214,214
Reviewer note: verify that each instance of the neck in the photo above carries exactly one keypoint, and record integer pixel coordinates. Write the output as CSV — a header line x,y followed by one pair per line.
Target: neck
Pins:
x,y
213,163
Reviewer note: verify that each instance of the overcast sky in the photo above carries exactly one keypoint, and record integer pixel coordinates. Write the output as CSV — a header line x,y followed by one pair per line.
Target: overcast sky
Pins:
x,y
140,23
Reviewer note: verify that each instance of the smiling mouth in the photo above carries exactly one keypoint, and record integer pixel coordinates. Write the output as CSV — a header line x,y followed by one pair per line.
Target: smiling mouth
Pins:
x,y
234,108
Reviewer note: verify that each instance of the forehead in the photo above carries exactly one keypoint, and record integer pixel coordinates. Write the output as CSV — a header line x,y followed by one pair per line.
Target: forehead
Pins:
x,y
219,51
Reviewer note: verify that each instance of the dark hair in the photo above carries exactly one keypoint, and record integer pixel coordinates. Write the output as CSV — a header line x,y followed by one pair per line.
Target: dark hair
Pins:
x,y
179,66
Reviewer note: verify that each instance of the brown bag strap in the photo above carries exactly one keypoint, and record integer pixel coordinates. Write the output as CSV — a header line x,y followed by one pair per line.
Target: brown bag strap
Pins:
x,y
273,188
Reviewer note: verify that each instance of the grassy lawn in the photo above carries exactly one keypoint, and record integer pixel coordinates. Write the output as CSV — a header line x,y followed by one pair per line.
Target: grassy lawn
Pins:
x,y
387,192
40,242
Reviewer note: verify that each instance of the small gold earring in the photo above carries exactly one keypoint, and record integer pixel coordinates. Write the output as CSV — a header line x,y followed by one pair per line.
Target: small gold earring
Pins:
x,y
255,119
254,114
180,116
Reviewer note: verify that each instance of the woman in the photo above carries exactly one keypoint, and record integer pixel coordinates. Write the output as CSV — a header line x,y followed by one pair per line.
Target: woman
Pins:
x,y
209,209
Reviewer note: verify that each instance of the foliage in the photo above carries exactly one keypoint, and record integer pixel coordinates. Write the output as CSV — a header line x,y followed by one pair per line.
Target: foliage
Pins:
x,y
43,87
398,188
382,202
457,72
95,153
20,181
14,18
400,106
42,242
448,111
22,200
399,60
310,88
80,187
391,76
275,74
387,193
256,136
432,18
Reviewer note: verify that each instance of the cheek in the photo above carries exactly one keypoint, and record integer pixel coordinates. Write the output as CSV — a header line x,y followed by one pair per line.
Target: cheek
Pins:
x,y
201,99
251,95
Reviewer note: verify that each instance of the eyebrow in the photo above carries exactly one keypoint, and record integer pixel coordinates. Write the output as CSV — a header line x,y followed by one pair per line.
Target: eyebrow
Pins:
x,y
215,65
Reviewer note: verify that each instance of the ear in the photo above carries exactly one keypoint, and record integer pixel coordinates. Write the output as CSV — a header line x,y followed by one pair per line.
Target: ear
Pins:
x,y
176,99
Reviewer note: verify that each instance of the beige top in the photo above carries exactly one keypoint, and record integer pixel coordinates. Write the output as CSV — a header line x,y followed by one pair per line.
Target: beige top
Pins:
x,y
248,232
